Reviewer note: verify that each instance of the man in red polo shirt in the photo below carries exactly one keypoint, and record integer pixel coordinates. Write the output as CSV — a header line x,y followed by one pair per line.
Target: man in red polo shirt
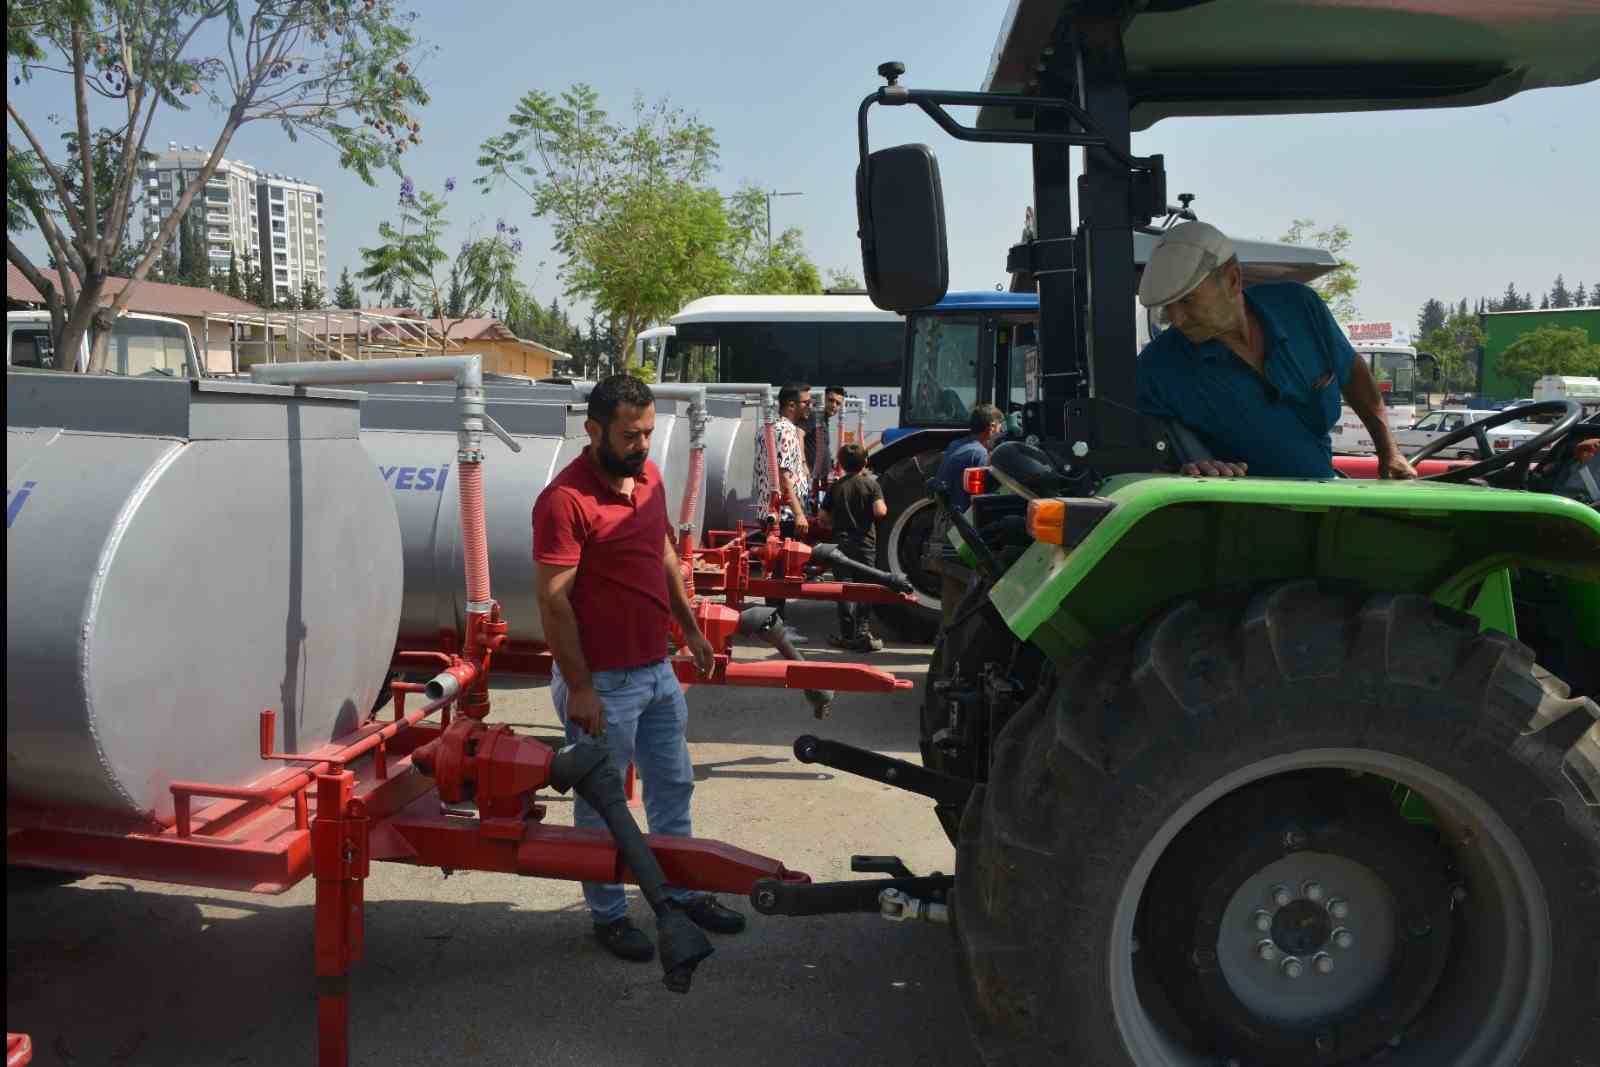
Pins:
x,y
608,585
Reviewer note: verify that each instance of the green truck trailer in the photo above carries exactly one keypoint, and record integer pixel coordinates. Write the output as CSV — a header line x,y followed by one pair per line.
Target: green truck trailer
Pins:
x,y
1502,328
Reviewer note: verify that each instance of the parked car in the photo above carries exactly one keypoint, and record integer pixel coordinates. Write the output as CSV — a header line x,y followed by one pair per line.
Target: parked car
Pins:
x,y
1438,423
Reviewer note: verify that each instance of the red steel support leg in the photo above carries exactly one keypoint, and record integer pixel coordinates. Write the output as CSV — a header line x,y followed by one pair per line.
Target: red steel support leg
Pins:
x,y
339,862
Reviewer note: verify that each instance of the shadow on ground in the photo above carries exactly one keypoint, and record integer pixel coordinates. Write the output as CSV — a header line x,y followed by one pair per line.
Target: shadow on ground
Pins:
x,y
109,972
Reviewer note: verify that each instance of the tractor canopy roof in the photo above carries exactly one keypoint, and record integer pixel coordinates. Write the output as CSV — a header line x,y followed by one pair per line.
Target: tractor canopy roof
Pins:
x,y
1261,261
1275,57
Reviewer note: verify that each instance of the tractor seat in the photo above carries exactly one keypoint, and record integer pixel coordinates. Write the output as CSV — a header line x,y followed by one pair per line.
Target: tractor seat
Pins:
x,y
1028,466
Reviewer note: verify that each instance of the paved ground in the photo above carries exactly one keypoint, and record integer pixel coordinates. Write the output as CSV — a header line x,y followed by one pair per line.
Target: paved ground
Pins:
x,y
492,969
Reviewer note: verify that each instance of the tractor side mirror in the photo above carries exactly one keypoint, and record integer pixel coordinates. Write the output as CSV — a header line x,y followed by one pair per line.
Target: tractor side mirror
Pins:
x,y
900,209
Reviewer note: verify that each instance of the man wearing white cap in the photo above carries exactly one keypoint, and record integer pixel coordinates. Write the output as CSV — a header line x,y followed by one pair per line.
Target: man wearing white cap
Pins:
x,y
1258,374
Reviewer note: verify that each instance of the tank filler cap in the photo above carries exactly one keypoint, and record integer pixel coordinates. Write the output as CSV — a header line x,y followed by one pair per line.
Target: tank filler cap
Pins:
x,y
891,71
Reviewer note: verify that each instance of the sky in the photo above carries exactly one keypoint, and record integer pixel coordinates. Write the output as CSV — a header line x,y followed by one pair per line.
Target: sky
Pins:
x,y
1442,203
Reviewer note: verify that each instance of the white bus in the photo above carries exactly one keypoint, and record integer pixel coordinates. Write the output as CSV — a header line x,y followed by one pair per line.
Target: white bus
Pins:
x,y
1393,361
832,339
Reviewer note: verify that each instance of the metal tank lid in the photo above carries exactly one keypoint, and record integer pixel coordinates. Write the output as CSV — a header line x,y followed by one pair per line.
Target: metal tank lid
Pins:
x,y
178,408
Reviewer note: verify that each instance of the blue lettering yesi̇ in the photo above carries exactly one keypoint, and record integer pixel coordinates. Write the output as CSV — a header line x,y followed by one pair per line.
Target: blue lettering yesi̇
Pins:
x,y
416,479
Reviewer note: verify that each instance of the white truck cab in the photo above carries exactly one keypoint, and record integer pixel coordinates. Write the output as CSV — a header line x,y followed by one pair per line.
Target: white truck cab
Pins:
x,y
140,345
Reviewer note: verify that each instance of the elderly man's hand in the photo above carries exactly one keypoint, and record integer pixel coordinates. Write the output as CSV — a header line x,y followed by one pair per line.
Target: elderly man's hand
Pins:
x,y
1214,468
1392,464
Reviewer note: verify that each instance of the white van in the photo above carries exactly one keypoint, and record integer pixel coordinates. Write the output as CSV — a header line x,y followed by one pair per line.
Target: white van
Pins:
x,y
140,345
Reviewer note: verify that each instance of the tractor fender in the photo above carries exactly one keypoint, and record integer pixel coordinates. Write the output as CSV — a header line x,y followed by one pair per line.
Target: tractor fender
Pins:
x,y
1168,537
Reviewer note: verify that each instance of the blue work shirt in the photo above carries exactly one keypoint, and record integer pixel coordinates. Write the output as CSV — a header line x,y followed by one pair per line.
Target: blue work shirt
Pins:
x,y
963,453
1276,421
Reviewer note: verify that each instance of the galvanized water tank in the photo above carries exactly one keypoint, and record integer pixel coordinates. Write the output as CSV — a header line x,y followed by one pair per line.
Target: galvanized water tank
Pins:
x,y
410,432
180,555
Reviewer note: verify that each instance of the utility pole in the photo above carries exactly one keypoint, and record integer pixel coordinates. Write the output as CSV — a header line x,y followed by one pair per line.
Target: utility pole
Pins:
x,y
770,194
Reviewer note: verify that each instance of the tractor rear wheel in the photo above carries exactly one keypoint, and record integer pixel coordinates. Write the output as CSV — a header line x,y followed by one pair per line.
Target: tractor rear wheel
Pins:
x,y
902,542
1314,827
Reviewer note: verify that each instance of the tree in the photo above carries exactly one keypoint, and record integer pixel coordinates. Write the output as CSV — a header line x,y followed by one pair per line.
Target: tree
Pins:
x,y
1511,300
291,302
639,232
1338,287
843,278
313,66
455,296
1581,297
256,289
312,296
1544,302
761,265
1453,345
410,260
1549,350
1559,296
235,286
1431,317
345,296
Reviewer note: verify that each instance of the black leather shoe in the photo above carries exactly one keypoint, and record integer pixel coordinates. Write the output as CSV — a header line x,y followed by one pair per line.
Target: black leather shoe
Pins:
x,y
625,940
707,914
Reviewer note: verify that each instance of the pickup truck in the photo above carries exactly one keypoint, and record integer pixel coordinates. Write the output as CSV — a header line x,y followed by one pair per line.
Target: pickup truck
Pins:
x,y
140,345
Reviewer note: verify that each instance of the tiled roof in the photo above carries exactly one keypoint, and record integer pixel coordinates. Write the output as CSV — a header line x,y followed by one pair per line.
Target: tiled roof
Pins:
x,y
152,298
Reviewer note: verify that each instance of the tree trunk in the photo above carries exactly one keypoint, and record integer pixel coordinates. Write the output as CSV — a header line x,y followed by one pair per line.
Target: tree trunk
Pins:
x,y
83,313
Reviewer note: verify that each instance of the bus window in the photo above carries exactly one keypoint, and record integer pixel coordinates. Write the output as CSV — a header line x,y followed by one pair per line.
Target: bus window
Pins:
x,y
858,353
1396,375
944,369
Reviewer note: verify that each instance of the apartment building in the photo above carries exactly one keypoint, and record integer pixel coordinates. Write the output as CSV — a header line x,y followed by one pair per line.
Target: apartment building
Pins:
x,y
293,232
272,220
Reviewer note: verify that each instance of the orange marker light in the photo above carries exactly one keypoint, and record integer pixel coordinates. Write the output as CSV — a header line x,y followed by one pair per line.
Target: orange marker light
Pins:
x,y
972,480
1047,520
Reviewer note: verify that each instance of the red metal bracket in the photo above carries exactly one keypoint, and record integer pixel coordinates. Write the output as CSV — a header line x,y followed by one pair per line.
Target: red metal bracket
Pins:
x,y
340,861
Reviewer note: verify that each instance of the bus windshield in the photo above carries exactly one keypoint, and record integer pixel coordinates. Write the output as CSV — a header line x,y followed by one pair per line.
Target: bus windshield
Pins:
x,y
1396,375
944,369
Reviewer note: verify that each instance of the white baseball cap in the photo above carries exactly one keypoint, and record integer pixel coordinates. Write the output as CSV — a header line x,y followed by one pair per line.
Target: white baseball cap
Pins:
x,y
1181,260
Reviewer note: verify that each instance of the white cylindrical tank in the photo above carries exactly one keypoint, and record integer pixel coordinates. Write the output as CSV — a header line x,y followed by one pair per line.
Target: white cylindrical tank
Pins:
x,y
179,556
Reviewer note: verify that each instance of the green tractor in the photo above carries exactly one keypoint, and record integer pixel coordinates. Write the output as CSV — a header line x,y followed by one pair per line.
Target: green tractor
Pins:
x,y
1244,771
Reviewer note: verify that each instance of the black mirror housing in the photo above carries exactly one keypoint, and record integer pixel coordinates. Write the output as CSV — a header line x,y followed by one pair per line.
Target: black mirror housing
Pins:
x,y
900,209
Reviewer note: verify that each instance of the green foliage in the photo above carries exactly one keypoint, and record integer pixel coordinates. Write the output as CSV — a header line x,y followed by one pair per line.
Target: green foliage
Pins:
x,y
346,296
639,231
339,71
1560,296
312,296
843,278
1338,287
1455,345
1431,317
760,265
1549,350
234,286
409,261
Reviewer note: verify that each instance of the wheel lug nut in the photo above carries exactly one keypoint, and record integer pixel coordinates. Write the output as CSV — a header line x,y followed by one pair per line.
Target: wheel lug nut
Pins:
x,y
1323,963
1293,968
1343,938
1267,951
1281,896
1263,921
1338,908
1313,891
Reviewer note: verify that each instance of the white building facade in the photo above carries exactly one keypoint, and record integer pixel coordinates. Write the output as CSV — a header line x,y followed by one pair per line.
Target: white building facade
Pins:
x,y
272,221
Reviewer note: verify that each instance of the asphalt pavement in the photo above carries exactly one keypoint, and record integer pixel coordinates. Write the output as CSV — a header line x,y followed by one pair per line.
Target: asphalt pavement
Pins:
x,y
487,969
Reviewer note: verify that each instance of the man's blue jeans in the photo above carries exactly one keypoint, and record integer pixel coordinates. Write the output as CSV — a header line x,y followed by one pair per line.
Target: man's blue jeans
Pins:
x,y
646,715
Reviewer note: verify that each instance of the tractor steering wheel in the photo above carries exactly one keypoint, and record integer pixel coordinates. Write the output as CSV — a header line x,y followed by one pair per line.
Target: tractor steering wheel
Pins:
x,y
1570,410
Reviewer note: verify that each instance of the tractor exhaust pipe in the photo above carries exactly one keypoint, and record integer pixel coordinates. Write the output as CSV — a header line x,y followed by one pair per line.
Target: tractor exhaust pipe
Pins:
x,y
584,766
767,625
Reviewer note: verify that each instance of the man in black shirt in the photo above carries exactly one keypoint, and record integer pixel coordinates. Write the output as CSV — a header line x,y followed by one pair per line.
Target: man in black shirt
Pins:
x,y
852,507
